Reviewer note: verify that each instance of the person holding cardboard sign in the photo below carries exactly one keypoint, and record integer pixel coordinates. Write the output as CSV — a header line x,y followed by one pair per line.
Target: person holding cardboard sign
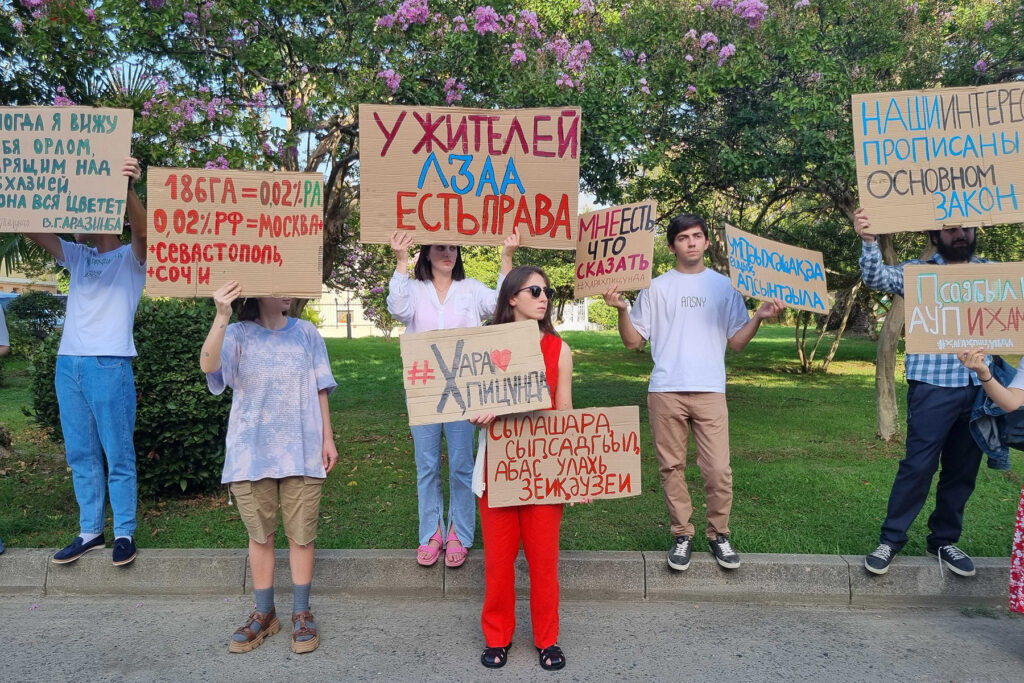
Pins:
x,y
940,397
690,315
525,295
280,446
94,380
1009,398
441,297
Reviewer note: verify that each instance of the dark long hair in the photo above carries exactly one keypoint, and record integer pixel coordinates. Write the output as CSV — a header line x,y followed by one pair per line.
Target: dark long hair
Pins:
x,y
515,281
424,271
247,308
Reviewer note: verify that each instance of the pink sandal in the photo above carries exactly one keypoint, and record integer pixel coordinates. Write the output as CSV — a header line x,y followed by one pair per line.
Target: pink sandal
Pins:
x,y
454,557
426,555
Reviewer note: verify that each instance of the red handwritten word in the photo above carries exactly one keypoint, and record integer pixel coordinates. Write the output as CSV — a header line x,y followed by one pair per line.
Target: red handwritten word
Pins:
x,y
496,133
633,262
171,252
283,192
445,211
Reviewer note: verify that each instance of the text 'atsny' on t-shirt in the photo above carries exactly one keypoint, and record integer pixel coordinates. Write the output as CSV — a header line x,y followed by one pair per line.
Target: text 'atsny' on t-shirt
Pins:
x,y
688,319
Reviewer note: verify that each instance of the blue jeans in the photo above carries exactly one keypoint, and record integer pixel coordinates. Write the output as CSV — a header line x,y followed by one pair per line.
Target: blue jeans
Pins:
x,y
462,504
938,432
96,395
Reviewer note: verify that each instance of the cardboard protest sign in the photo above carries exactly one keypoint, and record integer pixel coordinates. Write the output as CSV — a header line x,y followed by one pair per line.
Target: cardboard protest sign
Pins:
x,y
615,247
949,308
563,456
765,269
469,176
459,373
208,226
947,157
61,168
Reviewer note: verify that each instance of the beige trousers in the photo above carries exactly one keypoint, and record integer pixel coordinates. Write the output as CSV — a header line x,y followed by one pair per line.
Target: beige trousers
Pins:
x,y
672,415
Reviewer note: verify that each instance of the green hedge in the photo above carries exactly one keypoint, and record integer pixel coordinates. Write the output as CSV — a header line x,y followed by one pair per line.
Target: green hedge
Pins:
x,y
180,427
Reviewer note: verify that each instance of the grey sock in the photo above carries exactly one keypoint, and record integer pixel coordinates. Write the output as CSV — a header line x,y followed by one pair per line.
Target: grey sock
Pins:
x,y
300,603
264,603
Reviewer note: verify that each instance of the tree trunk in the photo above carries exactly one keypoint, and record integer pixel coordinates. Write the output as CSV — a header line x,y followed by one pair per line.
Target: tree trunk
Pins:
x,y
885,361
851,299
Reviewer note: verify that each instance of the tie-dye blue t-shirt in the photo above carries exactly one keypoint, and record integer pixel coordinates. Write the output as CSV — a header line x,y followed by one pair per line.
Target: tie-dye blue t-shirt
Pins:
x,y
275,429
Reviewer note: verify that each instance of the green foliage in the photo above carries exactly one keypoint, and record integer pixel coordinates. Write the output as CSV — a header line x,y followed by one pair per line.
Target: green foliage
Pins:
x,y
44,395
311,314
602,314
38,311
180,427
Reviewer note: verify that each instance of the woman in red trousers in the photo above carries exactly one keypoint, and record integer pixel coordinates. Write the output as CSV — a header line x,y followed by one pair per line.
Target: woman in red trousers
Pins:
x,y
525,295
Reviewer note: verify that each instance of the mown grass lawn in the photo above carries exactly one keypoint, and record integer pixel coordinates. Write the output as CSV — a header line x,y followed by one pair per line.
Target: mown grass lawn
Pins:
x,y
809,476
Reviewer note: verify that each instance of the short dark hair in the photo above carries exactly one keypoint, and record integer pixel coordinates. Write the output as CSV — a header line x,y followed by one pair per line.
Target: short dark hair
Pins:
x,y
424,271
503,312
682,222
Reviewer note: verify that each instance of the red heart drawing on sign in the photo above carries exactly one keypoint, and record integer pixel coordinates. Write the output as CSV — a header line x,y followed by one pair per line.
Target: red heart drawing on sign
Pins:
x,y
501,358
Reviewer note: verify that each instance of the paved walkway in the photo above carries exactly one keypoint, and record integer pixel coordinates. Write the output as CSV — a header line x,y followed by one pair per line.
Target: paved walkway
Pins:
x,y
148,638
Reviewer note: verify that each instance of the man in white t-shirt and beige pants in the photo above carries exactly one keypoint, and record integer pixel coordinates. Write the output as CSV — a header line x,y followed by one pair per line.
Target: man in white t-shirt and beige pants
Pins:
x,y
690,314
94,379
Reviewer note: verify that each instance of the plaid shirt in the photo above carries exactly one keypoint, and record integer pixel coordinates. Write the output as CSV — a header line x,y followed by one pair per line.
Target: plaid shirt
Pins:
x,y
939,369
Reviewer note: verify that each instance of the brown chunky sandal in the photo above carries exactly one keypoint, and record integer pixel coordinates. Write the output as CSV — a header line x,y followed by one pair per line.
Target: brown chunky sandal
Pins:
x,y
304,629
269,625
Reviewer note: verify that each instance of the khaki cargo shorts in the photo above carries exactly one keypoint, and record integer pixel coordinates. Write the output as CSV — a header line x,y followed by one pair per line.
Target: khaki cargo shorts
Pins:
x,y
298,498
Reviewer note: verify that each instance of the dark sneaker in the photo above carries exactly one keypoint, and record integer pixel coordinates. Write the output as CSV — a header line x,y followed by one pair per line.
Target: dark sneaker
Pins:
x,y
723,552
679,554
879,559
956,560
77,548
124,551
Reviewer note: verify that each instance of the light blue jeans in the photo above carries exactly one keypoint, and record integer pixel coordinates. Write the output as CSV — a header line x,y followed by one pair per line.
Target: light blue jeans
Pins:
x,y
462,503
96,395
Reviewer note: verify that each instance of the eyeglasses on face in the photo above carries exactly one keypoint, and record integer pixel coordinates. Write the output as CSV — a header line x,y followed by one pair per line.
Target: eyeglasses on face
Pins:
x,y
535,291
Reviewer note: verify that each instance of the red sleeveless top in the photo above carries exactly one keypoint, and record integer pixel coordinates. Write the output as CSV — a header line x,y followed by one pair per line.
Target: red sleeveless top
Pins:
x,y
551,348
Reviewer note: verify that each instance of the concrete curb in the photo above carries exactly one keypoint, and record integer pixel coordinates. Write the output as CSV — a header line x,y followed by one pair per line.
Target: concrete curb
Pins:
x,y
590,575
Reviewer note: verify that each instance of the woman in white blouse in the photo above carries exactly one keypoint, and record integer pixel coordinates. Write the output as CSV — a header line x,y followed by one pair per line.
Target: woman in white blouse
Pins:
x,y
439,296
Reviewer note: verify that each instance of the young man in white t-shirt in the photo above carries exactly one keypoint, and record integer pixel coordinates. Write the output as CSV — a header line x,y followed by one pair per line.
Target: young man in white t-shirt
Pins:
x,y
690,314
94,379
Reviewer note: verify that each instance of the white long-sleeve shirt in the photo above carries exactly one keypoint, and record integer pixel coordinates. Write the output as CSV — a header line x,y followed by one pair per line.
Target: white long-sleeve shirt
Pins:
x,y
414,303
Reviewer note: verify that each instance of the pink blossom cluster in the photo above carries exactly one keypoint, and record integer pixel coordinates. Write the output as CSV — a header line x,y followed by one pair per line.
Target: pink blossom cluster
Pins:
x,y
708,41
220,163
981,66
527,24
408,13
459,24
485,20
518,56
453,90
754,11
392,78
155,4
61,99
643,87
802,3
586,7
726,52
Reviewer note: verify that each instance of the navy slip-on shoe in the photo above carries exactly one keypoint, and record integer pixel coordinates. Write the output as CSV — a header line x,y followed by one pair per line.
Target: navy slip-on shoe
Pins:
x,y
77,548
124,551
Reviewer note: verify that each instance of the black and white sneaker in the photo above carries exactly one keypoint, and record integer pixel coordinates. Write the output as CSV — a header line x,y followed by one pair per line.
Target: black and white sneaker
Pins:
x,y
954,559
723,552
679,554
879,559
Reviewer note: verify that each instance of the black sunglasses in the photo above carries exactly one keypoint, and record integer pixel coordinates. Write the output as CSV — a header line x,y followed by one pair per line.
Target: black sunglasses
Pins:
x,y
535,291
